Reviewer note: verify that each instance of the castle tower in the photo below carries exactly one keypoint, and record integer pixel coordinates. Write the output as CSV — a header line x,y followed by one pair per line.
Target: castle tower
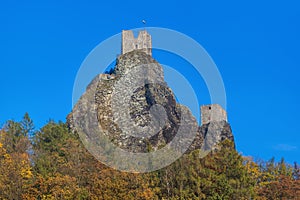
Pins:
x,y
212,113
143,42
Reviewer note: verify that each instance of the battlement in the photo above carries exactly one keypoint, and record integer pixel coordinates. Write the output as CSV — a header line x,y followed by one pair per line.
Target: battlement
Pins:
x,y
212,112
142,42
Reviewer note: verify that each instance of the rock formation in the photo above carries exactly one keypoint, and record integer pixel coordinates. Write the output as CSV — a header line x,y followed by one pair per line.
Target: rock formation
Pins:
x,y
137,110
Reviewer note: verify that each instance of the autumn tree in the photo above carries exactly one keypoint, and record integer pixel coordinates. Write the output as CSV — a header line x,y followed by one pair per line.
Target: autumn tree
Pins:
x,y
277,181
15,163
52,163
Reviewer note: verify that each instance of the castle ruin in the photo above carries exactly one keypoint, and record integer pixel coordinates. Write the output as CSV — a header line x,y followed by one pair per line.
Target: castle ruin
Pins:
x,y
209,113
142,42
212,113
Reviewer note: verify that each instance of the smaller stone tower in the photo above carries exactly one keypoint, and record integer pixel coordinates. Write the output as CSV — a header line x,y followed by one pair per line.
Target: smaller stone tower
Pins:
x,y
143,42
212,113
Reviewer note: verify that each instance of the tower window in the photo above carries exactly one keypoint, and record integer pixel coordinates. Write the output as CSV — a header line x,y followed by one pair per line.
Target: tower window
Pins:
x,y
209,108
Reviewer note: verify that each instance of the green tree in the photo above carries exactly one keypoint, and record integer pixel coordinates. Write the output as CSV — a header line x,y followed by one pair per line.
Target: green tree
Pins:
x,y
220,175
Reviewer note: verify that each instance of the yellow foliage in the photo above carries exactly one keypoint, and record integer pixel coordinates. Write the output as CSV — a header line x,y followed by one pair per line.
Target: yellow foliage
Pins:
x,y
26,173
252,168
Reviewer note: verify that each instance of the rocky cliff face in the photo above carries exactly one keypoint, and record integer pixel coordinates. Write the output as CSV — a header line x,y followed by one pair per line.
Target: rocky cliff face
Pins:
x,y
137,111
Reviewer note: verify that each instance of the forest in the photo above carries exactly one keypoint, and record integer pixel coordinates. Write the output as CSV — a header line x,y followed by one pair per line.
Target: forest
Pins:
x,y
52,163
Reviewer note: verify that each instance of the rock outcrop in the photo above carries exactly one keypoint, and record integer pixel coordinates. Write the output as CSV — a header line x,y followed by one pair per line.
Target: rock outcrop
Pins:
x,y
138,112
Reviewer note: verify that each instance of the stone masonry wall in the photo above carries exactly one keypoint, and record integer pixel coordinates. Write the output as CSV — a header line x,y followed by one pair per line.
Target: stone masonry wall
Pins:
x,y
143,42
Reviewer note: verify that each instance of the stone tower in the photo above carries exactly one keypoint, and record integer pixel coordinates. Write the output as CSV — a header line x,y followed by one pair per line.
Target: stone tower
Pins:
x,y
212,113
143,42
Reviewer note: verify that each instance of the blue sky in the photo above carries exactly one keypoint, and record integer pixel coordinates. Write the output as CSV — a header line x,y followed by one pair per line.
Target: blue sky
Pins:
x,y
255,45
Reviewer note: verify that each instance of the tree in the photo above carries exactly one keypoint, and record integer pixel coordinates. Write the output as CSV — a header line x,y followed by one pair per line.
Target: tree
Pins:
x,y
59,167
27,125
16,172
220,175
296,171
277,181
